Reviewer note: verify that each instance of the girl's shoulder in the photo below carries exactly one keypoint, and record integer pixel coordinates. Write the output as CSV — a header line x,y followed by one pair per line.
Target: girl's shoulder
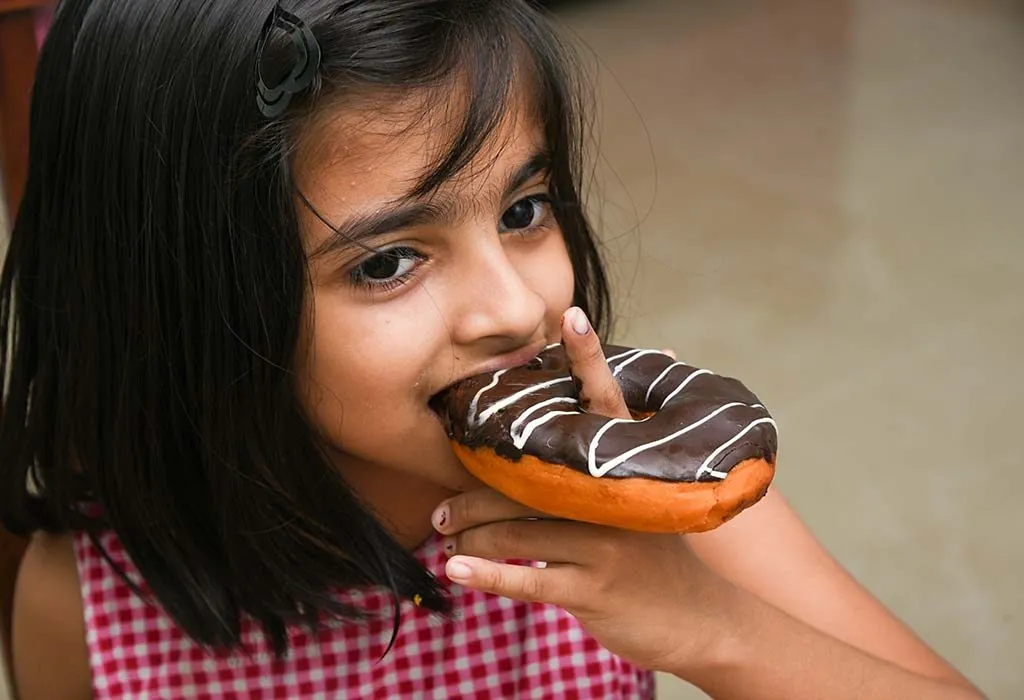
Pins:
x,y
48,623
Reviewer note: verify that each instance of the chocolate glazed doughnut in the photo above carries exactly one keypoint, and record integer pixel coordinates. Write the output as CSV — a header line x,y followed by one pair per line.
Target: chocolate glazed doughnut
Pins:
x,y
700,447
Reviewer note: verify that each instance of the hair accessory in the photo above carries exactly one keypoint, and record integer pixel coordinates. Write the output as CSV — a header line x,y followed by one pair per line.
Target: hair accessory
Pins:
x,y
272,101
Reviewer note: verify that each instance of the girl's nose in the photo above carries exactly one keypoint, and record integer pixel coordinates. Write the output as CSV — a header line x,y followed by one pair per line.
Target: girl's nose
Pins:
x,y
494,301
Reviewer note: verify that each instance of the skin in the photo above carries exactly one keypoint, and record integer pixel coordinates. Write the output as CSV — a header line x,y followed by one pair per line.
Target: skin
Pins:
x,y
754,609
483,291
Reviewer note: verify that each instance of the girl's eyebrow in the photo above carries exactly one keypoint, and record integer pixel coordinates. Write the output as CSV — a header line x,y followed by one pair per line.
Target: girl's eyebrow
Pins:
x,y
359,229
539,162
407,213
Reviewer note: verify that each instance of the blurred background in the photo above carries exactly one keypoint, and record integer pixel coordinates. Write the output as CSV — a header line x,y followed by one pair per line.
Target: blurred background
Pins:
x,y
825,198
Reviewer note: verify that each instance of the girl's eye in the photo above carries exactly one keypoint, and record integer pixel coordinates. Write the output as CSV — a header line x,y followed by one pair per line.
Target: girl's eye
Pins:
x,y
387,269
528,213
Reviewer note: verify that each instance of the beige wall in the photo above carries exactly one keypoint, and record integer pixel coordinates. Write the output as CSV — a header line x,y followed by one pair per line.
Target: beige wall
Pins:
x,y
831,206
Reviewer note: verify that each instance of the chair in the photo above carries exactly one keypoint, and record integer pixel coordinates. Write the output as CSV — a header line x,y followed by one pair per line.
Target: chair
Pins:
x,y
20,32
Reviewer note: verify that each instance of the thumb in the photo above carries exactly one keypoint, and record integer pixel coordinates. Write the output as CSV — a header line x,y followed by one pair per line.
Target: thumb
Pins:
x,y
599,392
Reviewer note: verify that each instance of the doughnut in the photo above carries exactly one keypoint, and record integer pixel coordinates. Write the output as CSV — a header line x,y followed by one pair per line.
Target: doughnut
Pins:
x,y
699,448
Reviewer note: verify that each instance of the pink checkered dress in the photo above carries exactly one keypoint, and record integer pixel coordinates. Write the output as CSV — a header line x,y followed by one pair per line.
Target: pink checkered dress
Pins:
x,y
496,648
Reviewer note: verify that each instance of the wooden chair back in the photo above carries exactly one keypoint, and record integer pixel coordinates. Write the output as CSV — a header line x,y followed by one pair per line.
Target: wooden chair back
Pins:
x,y
22,25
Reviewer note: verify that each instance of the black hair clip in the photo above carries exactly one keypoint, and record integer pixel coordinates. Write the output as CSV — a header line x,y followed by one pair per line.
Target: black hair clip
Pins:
x,y
273,101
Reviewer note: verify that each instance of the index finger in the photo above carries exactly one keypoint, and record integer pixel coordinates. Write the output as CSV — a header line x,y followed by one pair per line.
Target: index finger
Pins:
x,y
599,391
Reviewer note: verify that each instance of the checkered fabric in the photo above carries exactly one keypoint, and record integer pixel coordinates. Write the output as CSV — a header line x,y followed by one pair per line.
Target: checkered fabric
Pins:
x,y
495,648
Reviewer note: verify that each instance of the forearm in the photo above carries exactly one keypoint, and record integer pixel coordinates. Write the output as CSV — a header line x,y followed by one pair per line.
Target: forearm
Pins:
x,y
768,654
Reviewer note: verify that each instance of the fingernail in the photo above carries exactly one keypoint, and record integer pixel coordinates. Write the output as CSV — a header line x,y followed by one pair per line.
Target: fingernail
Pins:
x,y
579,321
449,546
440,518
458,571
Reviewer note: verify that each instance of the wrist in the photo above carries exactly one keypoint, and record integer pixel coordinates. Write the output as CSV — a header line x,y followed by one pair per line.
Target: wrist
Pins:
x,y
717,643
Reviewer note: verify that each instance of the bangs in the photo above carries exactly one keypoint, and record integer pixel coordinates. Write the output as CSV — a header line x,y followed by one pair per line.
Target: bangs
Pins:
x,y
494,63
490,84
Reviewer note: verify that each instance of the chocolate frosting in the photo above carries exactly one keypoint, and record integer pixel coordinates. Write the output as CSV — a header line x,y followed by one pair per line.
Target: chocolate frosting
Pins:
x,y
691,425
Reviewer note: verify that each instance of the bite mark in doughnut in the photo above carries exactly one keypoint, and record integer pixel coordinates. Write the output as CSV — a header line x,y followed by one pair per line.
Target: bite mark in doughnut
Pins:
x,y
700,449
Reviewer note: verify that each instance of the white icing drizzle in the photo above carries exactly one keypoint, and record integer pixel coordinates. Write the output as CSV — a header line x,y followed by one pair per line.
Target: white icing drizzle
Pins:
x,y
520,439
603,469
627,353
664,373
533,425
476,399
509,400
494,382
522,428
689,378
592,450
621,366
705,467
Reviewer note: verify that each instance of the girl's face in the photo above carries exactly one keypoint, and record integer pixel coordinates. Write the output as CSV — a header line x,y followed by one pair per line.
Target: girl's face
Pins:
x,y
471,278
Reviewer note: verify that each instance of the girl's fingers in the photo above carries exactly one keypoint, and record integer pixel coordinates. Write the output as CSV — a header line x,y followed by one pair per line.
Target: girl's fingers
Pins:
x,y
478,507
670,352
511,581
599,391
551,541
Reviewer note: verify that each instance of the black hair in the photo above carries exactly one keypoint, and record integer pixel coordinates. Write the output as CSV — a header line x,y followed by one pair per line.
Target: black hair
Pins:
x,y
151,300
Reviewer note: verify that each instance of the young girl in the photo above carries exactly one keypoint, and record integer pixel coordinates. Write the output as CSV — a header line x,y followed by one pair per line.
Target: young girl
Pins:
x,y
257,239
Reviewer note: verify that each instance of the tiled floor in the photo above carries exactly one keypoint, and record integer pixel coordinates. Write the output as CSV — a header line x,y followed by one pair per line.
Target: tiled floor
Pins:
x,y
831,206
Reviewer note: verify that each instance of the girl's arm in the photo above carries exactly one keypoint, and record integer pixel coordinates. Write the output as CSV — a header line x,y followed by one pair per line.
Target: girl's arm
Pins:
x,y
51,660
756,609
807,617
768,551
652,600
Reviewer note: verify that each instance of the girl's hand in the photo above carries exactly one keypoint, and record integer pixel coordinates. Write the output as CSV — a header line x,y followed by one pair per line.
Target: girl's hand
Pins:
x,y
651,600
647,598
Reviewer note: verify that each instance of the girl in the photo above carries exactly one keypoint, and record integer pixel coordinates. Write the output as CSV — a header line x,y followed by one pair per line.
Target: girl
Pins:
x,y
258,238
